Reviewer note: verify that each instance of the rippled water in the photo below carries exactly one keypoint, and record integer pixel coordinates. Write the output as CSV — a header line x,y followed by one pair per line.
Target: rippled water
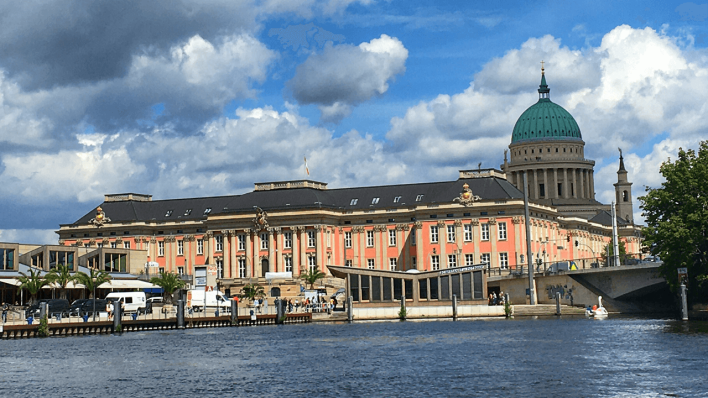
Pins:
x,y
566,357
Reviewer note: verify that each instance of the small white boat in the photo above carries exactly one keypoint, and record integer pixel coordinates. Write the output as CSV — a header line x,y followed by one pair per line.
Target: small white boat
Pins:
x,y
597,311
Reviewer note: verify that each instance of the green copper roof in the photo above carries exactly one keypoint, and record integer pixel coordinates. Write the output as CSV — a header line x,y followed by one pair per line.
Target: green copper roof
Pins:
x,y
545,121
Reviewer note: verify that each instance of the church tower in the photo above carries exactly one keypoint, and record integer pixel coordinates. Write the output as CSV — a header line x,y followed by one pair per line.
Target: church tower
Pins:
x,y
623,193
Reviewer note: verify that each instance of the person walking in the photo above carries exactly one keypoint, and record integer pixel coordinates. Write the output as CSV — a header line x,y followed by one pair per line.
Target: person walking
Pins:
x,y
109,309
5,307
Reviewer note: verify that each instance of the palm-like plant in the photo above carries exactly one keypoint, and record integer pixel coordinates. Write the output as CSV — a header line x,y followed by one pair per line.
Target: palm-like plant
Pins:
x,y
169,282
61,275
312,275
93,280
32,283
251,291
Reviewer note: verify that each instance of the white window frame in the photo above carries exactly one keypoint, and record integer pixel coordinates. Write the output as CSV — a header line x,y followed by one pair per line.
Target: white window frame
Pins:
x,y
469,259
468,233
242,242
504,260
311,238
371,264
434,262
126,244
369,238
180,270
288,260
241,267
219,268
288,240
434,237
114,245
501,230
161,248
311,263
348,263
180,247
484,231
485,258
392,263
219,243
392,237
200,246
264,241
451,234
347,239
452,260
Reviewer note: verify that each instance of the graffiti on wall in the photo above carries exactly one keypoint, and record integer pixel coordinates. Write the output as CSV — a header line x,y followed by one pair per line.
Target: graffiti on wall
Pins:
x,y
565,292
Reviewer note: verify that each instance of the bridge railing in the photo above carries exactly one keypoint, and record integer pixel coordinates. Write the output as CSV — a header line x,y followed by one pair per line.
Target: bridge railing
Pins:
x,y
555,266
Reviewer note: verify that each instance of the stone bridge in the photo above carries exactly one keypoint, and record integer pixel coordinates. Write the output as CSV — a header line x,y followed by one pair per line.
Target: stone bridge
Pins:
x,y
628,288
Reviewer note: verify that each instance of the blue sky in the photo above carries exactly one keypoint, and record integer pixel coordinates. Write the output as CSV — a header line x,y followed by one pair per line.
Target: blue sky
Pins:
x,y
184,98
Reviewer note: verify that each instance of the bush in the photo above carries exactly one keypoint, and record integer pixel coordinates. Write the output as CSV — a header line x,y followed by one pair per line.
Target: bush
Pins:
x,y
402,313
43,329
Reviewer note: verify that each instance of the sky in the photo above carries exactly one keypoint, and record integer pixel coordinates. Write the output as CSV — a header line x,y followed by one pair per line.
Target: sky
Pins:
x,y
179,99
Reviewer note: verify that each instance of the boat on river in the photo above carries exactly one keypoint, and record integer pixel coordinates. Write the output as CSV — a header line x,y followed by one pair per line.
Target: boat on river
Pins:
x,y
597,311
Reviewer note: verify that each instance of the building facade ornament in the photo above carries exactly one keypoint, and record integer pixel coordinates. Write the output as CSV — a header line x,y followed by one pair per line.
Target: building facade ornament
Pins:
x,y
492,221
458,223
517,220
475,222
418,225
100,219
260,222
466,197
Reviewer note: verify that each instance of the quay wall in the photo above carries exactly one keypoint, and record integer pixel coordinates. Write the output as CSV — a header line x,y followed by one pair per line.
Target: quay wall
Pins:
x,y
425,312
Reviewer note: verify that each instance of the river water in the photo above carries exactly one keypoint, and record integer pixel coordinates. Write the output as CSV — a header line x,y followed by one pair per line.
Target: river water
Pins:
x,y
544,357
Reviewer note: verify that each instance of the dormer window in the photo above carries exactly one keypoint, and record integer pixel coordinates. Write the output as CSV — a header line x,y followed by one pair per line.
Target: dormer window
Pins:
x,y
169,213
374,201
207,210
396,199
354,202
419,198
188,212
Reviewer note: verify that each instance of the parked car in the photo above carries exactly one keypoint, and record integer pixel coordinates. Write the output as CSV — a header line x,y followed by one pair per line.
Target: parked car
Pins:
x,y
75,306
87,307
130,301
54,308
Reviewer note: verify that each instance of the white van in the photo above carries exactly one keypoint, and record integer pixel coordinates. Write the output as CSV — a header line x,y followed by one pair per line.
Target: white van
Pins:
x,y
130,301
196,300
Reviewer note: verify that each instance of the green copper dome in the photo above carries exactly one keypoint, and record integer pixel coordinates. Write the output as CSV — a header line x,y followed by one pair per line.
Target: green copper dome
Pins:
x,y
545,120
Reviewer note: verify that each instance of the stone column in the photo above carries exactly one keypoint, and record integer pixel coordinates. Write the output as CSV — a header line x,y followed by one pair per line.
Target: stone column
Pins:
x,y
342,249
272,261
359,245
442,239
296,251
233,265
518,249
493,235
565,183
421,262
547,187
319,253
303,248
535,184
250,266
592,184
582,183
279,248
377,245
402,245
459,239
476,238
171,255
257,268
575,184
555,183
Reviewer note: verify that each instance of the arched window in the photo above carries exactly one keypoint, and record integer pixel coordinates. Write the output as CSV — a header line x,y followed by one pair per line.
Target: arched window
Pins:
x,y
275,292
625,196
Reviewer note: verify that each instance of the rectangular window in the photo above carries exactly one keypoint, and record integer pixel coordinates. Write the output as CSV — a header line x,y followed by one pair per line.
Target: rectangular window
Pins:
x,y
180,247
312,263
114,245
451,260
242,242
413,236
288,263
485,258
264,241
503,260
501,230
435,263
392,262
219,269
392,237
180,270
542,190
200,246
348,263
219,243
370,263
241,267
485,231
468,233
433,234
370,238
161,248
347,239
469,259
450,234
413,263
7,259
288,240
126,245
311,239
560,189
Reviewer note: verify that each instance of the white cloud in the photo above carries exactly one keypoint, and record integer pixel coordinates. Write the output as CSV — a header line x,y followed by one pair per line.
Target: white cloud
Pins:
x,y
344,75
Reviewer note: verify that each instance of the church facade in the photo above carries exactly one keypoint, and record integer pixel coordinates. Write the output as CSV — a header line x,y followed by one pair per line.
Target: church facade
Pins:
x,y
294,226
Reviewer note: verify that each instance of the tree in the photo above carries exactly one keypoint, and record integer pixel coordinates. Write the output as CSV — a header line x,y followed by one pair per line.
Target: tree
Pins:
x,y
61,276
93,280
677,219
251,291
169,282
312,275
32,283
